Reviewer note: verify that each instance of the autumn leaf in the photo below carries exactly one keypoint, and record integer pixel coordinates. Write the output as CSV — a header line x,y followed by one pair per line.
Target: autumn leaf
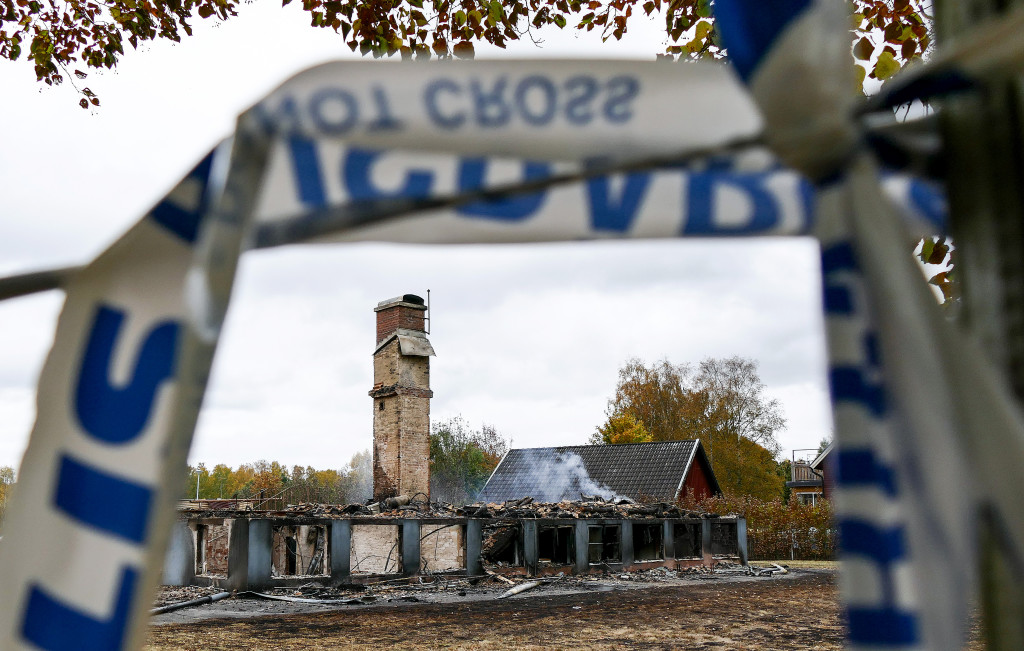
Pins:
x,y
886,66
863,49
464,50
927,246
909,49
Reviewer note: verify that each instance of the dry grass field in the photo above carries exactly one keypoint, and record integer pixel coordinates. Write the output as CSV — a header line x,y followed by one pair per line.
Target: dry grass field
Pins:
x,y
796,612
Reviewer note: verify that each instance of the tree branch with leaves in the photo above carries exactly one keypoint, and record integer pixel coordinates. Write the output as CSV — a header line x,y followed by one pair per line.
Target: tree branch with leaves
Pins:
x,y
64,39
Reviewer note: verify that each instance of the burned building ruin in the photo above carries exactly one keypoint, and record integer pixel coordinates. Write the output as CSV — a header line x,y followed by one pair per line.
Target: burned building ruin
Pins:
x,y
242,545
343,545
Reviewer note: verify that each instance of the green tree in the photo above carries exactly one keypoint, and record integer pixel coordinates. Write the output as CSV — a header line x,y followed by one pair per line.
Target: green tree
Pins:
x,y
462,459
7,478
824,443
65,38
196,476
784,471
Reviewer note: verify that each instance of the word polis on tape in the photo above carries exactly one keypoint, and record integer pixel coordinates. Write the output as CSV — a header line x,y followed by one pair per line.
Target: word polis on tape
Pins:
x,y
722,199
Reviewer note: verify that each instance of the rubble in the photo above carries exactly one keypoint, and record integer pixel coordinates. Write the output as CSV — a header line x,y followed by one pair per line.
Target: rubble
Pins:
x,y
351,601
176,594
662,574
489,586
591,506
766,571
208,599
522,587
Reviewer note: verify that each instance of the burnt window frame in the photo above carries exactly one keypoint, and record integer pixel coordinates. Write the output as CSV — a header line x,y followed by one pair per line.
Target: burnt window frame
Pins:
x,y
609,552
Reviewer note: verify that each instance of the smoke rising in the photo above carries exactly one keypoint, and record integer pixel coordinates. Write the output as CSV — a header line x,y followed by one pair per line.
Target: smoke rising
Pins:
x,y
559,477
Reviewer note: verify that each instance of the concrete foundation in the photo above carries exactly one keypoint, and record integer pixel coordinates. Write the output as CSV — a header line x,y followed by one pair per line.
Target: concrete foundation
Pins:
x,y
340,541
179,564
358,549
249,559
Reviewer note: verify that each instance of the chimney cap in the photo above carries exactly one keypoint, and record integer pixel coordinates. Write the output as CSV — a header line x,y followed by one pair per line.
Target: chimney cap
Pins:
x,y
409,299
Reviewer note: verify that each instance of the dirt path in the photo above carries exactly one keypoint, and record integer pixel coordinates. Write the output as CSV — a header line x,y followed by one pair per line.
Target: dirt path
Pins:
x,y
795,612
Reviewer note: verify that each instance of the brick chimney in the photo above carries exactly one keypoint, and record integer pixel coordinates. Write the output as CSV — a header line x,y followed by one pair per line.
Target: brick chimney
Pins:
x,y
401,399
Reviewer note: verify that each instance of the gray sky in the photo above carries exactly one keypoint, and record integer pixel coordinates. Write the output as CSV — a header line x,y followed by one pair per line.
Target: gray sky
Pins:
x,y
529,337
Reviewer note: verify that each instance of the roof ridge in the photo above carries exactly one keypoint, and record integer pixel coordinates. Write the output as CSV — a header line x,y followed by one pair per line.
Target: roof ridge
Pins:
x,y
607,445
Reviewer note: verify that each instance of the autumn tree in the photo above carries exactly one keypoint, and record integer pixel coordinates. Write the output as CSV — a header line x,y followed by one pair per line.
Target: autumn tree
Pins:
x,y
747,468
64,39
889,34
737,405
660,397
722,402
462,459
621,428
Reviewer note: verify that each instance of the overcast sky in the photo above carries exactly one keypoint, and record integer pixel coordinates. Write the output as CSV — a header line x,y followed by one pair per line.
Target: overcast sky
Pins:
x,y
528,337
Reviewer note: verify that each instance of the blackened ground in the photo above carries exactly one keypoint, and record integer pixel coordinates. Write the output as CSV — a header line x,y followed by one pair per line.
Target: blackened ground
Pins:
x,y
798,611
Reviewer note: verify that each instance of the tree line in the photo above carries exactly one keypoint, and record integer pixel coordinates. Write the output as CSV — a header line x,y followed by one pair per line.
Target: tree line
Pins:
x,y
461,460
272,480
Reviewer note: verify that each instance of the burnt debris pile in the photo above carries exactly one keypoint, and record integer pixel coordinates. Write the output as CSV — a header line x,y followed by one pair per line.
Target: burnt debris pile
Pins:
x,y
404,506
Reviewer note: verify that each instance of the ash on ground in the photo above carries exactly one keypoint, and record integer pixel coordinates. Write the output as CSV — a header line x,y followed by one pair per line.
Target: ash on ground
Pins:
x,y
319,597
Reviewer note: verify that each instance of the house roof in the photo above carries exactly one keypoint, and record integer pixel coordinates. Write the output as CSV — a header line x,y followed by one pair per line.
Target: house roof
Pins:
x,y
632,470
